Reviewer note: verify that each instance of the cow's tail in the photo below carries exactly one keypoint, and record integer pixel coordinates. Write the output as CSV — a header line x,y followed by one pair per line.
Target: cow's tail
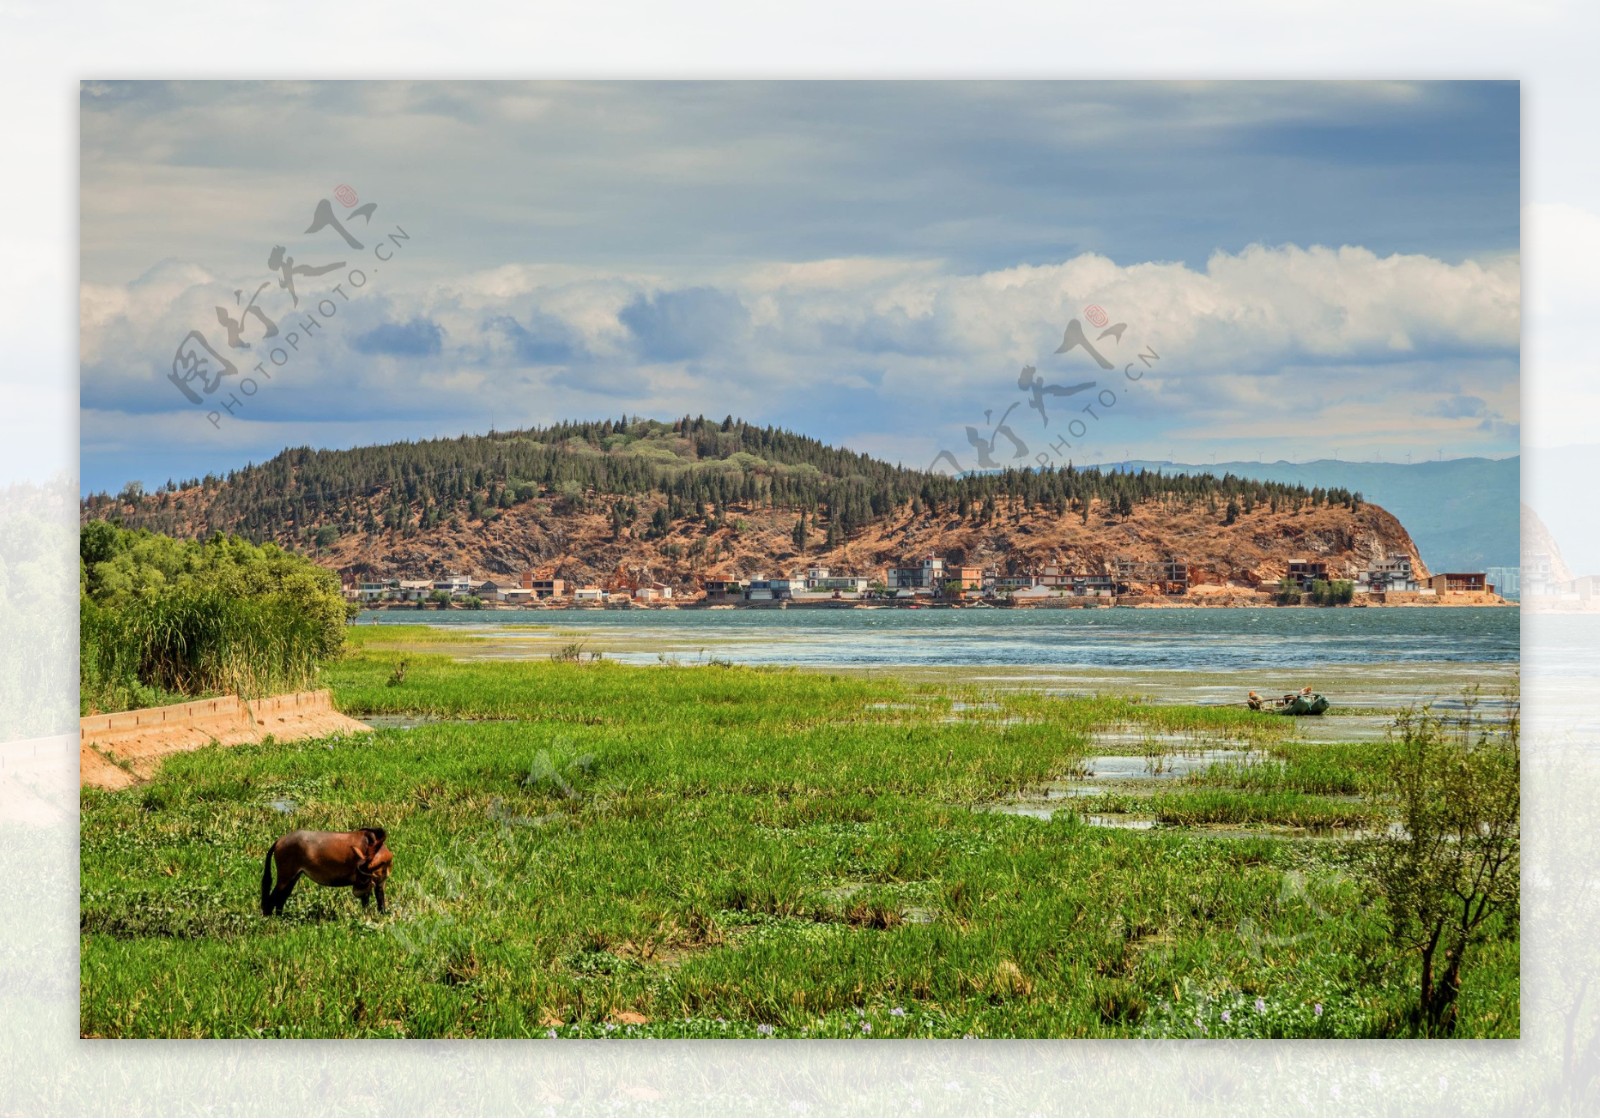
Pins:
x,y
266,882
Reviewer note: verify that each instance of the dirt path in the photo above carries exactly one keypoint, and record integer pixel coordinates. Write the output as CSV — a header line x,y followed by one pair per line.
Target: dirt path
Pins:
x,y
127,747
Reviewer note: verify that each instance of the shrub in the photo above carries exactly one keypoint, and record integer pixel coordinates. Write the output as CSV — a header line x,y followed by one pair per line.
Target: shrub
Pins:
x,y
1450,878
162,619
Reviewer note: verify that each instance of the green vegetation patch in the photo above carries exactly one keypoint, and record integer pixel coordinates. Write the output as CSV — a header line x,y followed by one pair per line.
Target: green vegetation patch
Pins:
x,y
590,850
163,620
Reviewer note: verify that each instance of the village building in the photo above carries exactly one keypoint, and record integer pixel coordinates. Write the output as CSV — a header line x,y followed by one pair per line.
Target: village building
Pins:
x,y
1009,584
1052,575
967,577
840,584
1095,585
1305,573
454,585
928,575
896,578
723,590
588,594
1458,582
652,592
544,588
759,590
771,590
1395,573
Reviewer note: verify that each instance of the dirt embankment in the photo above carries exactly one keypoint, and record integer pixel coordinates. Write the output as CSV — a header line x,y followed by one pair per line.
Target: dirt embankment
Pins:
x,y
127,747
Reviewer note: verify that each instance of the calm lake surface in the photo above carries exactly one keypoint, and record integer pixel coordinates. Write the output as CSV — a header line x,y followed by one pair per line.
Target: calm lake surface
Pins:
x,y
1197,640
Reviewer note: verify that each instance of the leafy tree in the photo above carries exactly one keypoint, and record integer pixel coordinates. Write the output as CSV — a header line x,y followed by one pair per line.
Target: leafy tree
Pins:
x,y
1450,879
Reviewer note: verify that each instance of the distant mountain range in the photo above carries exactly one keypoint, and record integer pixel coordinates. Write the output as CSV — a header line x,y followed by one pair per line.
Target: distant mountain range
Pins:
x,y
1463,514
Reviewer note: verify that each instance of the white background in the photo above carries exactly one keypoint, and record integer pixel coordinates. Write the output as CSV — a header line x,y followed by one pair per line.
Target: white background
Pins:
x,y
46,48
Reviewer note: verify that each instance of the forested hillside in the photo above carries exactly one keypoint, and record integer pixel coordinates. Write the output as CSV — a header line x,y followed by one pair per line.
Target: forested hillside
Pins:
x,y
693,468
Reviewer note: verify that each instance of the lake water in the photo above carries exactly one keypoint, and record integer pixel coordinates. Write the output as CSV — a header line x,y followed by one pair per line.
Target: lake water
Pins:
x,y
1197,640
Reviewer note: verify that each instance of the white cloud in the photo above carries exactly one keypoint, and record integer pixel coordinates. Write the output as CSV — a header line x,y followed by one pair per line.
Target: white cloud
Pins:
x,y
1334,331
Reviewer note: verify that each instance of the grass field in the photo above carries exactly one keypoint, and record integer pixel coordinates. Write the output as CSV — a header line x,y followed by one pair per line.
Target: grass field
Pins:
x,y
587,849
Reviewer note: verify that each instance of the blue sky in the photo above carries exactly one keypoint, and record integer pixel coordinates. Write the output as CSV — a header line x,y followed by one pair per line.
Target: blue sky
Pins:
x,y
1320,267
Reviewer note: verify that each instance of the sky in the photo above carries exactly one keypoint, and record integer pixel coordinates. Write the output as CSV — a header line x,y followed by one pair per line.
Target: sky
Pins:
x,y
1298,270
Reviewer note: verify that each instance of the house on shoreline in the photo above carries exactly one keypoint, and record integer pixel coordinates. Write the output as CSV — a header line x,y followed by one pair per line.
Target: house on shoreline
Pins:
x,y
946,581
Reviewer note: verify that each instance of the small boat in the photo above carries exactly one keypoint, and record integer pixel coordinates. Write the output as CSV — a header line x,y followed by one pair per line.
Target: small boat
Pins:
x,y
1314,704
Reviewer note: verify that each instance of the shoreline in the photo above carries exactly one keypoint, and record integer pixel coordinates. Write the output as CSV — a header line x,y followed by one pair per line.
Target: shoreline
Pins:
x,y
1141,602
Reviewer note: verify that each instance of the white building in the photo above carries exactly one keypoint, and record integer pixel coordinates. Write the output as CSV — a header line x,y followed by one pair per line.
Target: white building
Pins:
x,y
845,584
768,590
1392,574
454,585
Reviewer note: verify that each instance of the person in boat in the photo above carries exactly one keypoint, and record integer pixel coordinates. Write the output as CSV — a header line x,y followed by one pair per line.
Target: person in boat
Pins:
x,y
1254,701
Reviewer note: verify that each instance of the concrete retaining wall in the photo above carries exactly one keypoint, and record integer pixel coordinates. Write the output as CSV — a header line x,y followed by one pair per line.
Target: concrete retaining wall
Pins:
x,y
125,747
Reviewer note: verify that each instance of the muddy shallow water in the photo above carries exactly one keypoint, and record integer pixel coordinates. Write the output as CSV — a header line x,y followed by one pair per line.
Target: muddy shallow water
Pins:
x,y
1144,774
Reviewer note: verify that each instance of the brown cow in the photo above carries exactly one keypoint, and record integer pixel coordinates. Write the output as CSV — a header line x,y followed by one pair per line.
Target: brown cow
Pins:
x,y
358,859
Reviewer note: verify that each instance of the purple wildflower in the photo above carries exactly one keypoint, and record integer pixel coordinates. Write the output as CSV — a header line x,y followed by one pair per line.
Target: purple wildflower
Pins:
x,y
1261,1006
1317,1010
866,1027
898,1012
764,1030
1227,1015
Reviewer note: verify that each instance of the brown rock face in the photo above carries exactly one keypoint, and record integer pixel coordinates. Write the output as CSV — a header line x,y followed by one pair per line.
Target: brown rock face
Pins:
x,y
582,548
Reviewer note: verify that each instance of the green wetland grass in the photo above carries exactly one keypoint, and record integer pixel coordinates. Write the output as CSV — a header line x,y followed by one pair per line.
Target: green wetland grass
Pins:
x,y
592,850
